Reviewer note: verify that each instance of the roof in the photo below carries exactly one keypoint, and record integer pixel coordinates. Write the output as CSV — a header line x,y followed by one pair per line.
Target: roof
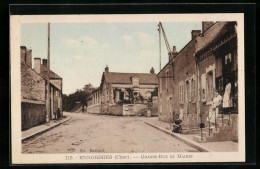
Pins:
x,y
126,78
44,71
215,32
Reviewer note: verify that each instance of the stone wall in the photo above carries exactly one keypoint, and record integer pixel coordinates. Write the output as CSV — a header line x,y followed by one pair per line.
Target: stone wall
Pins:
x,y
32,84
57,83
95,109
116,109
133,109
32,115
32,97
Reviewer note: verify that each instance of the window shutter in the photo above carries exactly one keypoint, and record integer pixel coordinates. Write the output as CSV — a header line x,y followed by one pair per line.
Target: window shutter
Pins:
x,y
203,88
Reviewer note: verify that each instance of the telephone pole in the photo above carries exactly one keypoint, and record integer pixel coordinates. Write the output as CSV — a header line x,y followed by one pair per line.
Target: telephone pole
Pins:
x,y
48,79
159,47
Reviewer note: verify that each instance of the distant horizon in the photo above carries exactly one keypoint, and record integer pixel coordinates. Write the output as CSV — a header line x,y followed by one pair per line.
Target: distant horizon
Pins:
x,y
80,52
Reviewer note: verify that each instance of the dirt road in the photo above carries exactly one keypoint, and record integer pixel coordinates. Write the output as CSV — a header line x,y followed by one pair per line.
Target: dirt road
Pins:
x,y
86,133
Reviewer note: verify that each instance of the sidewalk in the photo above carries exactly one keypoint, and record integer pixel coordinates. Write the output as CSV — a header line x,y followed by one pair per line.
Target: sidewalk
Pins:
x,y
27,134
224,146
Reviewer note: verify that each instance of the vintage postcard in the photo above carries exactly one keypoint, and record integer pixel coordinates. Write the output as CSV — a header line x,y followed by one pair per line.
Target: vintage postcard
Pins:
x,y
127,88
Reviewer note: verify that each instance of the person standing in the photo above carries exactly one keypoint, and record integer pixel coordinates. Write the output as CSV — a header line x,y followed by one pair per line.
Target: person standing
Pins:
x,y
177,124
58,113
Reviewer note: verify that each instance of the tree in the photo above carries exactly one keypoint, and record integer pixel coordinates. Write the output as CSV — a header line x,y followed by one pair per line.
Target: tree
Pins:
x,y
81,95
154,93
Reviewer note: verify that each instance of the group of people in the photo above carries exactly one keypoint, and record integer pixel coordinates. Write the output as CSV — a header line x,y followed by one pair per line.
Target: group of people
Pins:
x,y
225,102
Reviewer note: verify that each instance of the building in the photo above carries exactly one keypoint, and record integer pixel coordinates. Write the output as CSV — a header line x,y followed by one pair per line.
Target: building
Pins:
x,y
177,86
33,92
216,59
123,93
55,85
94,102
205,69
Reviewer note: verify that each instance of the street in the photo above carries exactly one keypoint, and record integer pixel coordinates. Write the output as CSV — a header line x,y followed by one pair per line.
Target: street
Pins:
x,y
87,133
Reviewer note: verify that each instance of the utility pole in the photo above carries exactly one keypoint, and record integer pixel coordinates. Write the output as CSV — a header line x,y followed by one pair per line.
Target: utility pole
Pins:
x,y
159,47
48,79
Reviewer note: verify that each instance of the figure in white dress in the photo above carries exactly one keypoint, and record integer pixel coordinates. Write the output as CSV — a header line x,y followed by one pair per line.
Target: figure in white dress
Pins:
x,y
213,108
226,98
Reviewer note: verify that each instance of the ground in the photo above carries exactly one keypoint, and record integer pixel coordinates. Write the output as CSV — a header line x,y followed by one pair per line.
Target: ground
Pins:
x,y
87,133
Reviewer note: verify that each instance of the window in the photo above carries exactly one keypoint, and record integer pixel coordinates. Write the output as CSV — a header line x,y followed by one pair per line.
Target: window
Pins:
x,y
193,90
228,58
203,87
188,91
167,76
107,96
210,88
181,93
121,95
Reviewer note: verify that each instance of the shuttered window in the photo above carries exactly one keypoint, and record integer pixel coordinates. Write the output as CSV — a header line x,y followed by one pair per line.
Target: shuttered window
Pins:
x,y
181,93
193,90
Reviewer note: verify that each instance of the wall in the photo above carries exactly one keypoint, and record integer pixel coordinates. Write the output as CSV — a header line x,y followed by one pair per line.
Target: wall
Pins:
x,y
185,73
32,84
204,107
94,109
183,69
165,96
57,101
133,109
57,83
116,109
32,114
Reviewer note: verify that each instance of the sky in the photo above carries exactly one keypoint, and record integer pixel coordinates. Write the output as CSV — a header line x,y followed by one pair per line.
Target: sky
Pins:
x,y
79,52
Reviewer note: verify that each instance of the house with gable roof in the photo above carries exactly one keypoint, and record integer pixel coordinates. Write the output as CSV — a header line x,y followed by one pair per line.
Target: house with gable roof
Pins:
x,y
124,93
55,85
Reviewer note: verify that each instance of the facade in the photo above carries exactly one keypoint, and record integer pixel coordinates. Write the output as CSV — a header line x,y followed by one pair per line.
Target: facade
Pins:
x,y
216,59
117,89
204,71
33,96
177,87
34,90
55,85
94,102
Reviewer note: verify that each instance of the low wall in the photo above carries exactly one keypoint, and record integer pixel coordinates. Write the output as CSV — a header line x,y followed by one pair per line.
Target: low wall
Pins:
x,y
116,109
234,126
94,109
133,109
32,114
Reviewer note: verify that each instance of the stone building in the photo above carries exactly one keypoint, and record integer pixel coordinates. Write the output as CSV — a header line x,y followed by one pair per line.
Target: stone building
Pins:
x,y
117,89
94,102
177,86
205,69
55,85
34,90
33,96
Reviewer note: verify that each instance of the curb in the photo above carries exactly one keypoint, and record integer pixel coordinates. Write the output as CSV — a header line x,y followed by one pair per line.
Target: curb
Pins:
x,y
45,130
186,141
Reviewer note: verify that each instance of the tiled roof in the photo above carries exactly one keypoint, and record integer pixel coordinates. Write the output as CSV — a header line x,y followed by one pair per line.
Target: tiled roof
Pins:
x,y
126,78
44,71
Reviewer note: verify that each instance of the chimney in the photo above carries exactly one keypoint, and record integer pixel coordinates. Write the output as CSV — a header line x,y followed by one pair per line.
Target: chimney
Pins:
x,y
152,70
23,52
28,57
195,33
206,25
106,69
173,54
45,62
37,65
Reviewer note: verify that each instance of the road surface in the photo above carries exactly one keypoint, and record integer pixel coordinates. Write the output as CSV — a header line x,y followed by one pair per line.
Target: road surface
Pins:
x,y
86,133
